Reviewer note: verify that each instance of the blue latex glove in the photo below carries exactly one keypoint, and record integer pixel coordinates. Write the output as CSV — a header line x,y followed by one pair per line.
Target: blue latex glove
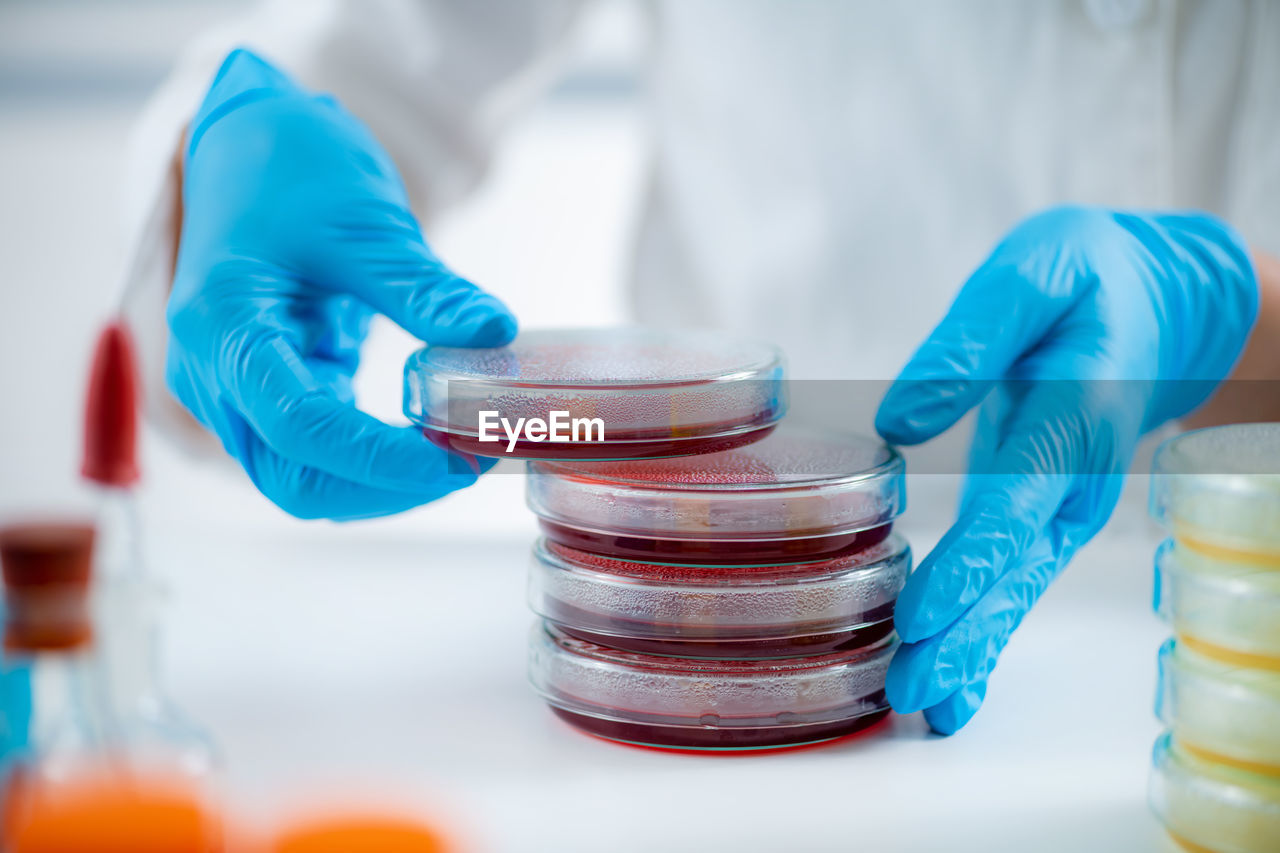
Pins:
x,y
1092,327
296,229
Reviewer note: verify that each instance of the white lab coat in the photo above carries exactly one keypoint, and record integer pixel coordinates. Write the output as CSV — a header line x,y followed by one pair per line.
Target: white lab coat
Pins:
x,y
824,173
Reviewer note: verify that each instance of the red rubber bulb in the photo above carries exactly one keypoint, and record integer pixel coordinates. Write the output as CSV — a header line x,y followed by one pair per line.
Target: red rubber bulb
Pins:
x,y
111,411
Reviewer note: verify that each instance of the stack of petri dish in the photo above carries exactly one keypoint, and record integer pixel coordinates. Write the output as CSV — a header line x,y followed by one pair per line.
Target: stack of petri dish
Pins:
x,y
1216,771
706,579
737,600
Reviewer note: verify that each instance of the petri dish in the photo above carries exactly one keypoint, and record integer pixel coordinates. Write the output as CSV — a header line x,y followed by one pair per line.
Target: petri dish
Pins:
x,y
796,495
1218,490
1227,608
720,611
622,393
1206,806
690,703
1220,711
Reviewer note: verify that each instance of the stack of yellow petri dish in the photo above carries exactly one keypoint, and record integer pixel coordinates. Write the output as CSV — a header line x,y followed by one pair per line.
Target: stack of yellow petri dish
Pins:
x,y
1216,771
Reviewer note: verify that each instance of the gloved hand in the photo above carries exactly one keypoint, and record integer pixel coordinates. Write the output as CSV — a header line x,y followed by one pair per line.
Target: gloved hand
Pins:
x,y
296,228
1092,327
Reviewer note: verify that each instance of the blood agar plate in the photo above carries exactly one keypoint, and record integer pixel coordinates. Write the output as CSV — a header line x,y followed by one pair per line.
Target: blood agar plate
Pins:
x,y
1220,710
688,703
720,611
1218,490
1230,608
653,393
795,495
1209,806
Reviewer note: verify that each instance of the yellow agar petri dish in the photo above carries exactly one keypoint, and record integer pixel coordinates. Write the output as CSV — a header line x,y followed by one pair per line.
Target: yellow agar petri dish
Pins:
x,y
1208,806
1229,609
1218,491
1220,711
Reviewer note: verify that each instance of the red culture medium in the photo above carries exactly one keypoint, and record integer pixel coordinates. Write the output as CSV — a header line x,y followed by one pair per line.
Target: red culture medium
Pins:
x,y
763,649
738,738
726,552
621,448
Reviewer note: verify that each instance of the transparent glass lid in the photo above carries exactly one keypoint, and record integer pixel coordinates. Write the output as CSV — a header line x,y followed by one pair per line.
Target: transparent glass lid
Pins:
x,y
1206,805
793,483
1220,710
1220,488
627,599
624,386
602,681
1230,608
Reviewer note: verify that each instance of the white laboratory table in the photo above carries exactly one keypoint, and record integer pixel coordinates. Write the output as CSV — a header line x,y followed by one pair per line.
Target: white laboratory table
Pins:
x,y
388,659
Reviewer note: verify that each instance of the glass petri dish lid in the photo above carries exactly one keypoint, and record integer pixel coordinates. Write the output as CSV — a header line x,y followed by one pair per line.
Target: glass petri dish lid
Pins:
x,y
1204,805
1227,608
1220,711
1218,489
797,494
622,393
687,703
719,611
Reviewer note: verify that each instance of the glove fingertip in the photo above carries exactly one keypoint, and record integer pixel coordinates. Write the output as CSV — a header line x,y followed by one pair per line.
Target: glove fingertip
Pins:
x,y
245,68
446,310
954,713
893,426
499,330
910,414
463,466
241,73
911,627
910,613
928,602
904,686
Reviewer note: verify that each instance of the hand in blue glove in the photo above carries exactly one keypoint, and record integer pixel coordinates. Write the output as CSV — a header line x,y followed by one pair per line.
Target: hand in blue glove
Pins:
x,y
1092,327
296,228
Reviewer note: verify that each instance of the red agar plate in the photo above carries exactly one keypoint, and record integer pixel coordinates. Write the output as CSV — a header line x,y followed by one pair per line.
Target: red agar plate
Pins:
x,y
626,393
688,703
718,611
795,495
